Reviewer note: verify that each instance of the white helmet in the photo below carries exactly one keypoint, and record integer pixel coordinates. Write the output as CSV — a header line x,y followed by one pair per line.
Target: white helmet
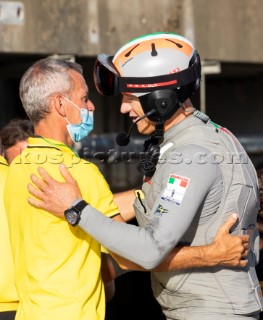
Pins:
x,y
162,69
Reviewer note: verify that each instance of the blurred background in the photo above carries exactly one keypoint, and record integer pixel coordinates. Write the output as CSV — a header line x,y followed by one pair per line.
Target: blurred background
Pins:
x,y
226,33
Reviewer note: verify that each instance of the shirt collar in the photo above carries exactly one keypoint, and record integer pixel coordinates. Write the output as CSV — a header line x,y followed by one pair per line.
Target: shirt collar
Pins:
x,y
42,142
3,161
190,121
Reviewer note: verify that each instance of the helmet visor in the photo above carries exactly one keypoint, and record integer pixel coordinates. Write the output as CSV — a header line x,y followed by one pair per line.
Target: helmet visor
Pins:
x,y
109,83
105,76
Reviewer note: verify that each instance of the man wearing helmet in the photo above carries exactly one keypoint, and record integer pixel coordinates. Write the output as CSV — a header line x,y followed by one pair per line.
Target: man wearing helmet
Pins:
x,y
191,182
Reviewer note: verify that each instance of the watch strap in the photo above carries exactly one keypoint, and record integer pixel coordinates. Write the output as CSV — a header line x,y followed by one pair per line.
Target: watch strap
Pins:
x,y
77,209
80,205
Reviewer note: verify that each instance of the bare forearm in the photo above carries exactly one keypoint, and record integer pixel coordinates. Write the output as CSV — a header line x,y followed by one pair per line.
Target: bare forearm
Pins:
x,y
226,250
189,257
180,258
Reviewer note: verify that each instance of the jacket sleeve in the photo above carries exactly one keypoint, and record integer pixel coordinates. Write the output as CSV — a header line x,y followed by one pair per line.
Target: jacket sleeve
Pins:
x,y
169,220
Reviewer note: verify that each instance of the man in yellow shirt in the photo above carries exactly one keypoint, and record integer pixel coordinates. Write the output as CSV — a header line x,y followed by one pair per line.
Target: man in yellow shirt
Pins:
x,y
57,267
14,136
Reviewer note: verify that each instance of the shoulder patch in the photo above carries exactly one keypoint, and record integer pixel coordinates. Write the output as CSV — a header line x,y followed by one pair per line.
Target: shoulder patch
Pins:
x,y
175,189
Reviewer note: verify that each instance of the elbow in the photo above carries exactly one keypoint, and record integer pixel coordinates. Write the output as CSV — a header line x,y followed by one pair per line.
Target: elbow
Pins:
x,y
152,262
150,265
152,256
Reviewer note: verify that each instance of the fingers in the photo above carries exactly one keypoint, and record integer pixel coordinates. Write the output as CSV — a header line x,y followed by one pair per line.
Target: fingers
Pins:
x,y
66,174
43,205
244,238
70,180
242,263
35,203
244,245
230,222
45,176
245,254
224,229
35,192
38,182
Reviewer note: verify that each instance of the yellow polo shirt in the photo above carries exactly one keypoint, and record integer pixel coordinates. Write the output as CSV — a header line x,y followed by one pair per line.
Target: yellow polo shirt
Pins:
x,y
8,294
57,266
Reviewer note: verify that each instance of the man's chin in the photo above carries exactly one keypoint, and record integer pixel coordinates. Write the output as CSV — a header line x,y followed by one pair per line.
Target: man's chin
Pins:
x,y
146,130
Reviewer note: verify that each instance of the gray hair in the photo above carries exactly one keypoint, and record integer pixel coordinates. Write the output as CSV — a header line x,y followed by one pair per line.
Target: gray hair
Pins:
x,y
41,81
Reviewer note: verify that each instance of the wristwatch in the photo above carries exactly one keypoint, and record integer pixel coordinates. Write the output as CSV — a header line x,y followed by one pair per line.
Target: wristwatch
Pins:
x,y
73,214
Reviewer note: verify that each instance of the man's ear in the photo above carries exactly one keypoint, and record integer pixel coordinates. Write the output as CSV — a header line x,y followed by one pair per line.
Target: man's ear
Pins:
x,y
58,104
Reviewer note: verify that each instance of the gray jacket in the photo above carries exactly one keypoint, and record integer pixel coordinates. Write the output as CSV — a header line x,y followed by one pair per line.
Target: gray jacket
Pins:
x,y
200,179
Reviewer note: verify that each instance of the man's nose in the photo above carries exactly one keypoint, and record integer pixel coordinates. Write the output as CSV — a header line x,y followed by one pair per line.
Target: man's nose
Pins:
x,y
90,106
125,107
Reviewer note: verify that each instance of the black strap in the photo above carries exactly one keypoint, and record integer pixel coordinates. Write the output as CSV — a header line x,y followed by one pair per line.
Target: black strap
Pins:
x,y
150,84
80,205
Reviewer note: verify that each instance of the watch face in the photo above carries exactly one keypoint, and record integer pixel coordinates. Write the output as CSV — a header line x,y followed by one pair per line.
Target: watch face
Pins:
x,y
71,216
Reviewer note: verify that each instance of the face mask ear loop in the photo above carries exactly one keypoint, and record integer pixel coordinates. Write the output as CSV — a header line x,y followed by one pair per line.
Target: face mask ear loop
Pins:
x,y
73,105
67,120
71,102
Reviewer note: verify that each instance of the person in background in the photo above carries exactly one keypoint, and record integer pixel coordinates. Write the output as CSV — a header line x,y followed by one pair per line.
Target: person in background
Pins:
x,y
8,293
190,186
14,137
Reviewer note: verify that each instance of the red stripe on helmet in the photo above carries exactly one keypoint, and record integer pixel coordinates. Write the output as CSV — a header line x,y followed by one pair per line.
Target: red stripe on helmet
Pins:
x,y
151,85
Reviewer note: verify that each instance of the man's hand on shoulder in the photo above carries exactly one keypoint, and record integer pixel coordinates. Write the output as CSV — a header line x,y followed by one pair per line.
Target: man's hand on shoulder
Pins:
x,y
51,195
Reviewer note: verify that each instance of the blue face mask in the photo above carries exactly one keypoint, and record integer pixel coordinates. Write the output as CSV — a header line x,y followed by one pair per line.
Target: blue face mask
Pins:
x,y
79,131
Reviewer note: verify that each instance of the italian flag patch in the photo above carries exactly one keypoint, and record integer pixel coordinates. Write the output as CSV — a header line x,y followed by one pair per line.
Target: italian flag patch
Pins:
x,y
175,189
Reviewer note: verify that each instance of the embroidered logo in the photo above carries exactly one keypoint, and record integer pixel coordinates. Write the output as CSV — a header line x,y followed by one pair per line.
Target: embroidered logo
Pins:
x,y
160,210
175,189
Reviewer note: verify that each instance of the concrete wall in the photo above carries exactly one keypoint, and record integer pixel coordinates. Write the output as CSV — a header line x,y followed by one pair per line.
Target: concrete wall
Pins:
x,y
229,30
85,27
226,30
